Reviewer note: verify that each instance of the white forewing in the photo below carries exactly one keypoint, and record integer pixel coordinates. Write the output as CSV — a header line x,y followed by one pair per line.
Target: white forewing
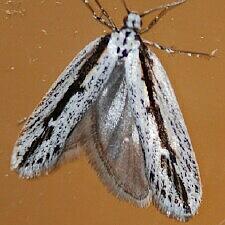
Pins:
x,y
44,135
186,166
170,161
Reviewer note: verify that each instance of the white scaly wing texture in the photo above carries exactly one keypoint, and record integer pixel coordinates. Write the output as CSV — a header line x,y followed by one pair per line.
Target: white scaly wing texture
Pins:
x,y
171,164
43,137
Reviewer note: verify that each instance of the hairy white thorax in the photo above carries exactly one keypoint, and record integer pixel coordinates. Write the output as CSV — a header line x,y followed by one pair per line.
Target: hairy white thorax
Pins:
x,y
133,21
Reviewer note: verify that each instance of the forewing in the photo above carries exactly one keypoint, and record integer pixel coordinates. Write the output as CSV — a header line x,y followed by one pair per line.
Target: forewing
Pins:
x,y
172,168
43,137
114,149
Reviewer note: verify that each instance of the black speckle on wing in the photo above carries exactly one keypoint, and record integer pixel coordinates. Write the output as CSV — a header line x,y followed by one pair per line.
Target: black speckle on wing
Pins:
x,y
73,89
154,109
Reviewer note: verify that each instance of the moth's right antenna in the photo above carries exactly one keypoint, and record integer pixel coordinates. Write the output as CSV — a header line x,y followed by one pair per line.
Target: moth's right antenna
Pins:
x,y
125,6
168,5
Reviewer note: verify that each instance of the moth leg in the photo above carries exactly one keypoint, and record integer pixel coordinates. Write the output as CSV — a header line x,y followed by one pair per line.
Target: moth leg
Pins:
x,y
168,5
105,13
98,17
170,50
159,16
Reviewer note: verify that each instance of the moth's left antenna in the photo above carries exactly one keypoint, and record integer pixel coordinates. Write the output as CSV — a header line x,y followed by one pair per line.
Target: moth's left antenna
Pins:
x,y
109,22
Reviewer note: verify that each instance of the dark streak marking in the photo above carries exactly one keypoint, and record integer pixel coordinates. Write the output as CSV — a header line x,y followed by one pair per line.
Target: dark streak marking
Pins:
x,y
124,53
72,90
127,34
163,193
56,150
196,189
39,161
47,156
125,41
148,109
152,176
157,185
44,136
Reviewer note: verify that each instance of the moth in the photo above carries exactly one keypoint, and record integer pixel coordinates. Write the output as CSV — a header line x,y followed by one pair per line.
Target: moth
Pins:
x,y
115,102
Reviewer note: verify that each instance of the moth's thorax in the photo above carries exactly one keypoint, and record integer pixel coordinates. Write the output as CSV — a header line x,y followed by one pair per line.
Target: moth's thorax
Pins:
x,y
133,21
123,42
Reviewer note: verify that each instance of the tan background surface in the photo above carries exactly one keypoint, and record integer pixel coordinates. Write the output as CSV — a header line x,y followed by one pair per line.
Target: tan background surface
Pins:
x,y
38,40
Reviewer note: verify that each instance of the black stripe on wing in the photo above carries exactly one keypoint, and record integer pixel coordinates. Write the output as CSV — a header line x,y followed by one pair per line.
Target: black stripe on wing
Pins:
x,y
74,88
154,109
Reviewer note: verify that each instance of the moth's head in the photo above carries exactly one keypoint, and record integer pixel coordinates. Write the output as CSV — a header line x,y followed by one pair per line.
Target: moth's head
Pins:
x,y
133,21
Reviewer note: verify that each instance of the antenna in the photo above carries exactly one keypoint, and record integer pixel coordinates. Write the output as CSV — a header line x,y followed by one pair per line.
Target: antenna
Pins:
x,y
125,6
169,5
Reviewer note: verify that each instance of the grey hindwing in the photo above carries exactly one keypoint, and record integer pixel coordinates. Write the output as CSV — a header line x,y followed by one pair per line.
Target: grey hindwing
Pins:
x,y
114,148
